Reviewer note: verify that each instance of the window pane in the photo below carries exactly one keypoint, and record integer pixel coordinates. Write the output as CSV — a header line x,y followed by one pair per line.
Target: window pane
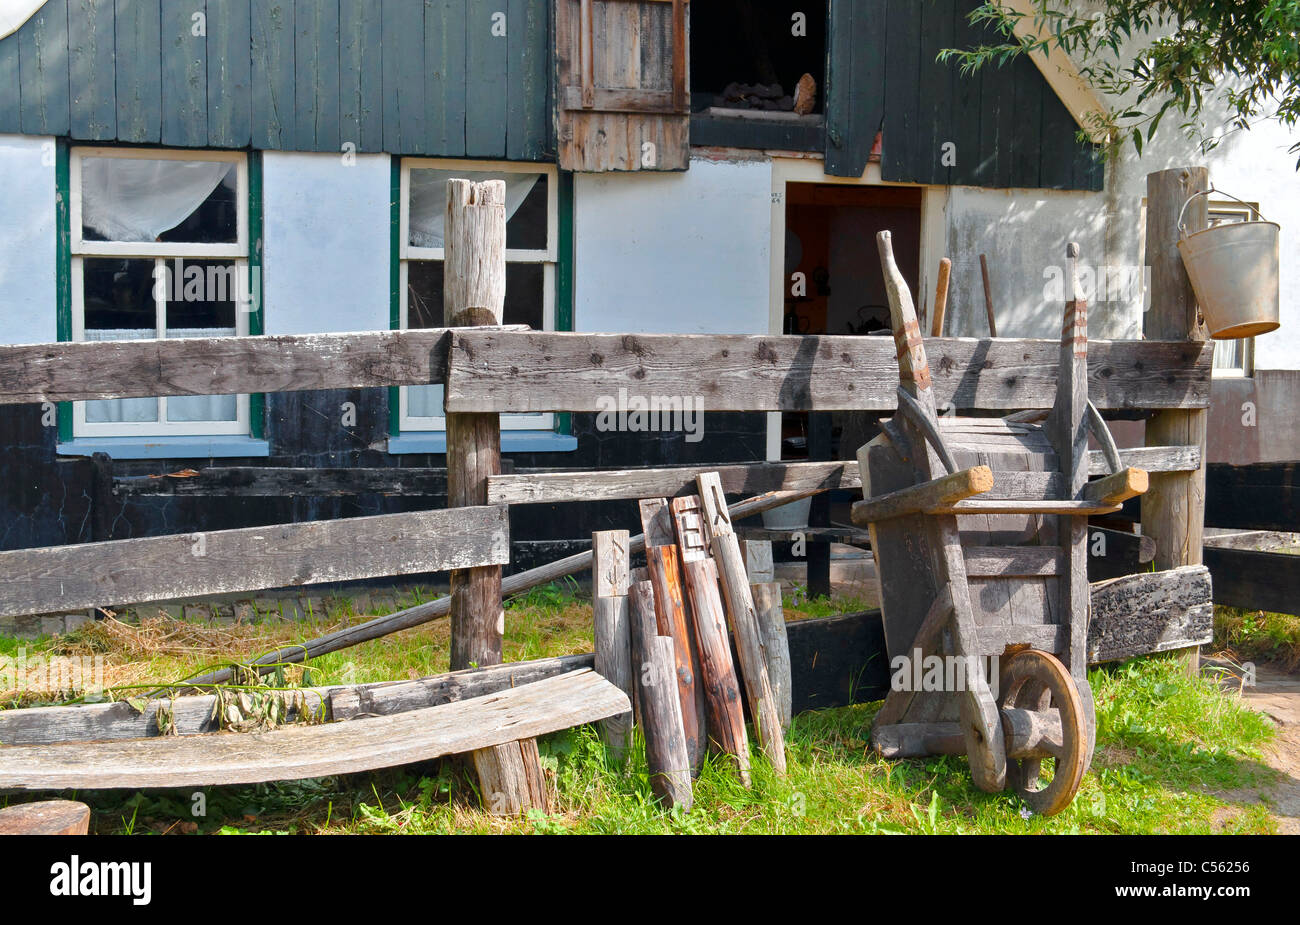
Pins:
x,y
523,304
118,299
144,200
200,302
526,213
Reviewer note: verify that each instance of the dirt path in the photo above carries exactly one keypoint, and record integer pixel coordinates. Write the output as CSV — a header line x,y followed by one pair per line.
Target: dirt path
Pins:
x,y
1277,694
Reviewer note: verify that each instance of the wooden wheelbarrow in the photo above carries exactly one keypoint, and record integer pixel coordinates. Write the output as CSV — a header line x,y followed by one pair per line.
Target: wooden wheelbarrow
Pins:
x,y
979,529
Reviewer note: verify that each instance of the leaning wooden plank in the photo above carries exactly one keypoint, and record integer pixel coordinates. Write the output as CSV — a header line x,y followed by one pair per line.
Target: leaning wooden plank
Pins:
x,y
743,617
548,371
221,365
196,714
609,604
295,752
915,499
251,558
543,487
776,645
660,713
511,584
1150,612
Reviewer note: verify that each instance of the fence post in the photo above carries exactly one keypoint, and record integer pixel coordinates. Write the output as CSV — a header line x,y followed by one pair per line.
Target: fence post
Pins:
x,y
474,285
1173,508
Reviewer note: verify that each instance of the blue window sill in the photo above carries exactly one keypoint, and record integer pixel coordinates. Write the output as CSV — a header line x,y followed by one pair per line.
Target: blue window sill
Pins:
x,y
166,447
512,441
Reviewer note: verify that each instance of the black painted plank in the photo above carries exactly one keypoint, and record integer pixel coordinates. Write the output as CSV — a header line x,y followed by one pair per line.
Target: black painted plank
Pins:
x,y
184,74
11,98
935,92
43,69
267,482
230,66
1027,125
528,85
1255,580
272,87
485,81
855,83
968,91
900,152
361,75
837,661
781,135
1058,146
91,63
1265,496
444,69
316,74
403,62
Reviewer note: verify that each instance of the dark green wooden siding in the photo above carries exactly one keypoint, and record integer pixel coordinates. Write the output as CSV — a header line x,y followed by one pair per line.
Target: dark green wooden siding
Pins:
x,y
1008,126
401,76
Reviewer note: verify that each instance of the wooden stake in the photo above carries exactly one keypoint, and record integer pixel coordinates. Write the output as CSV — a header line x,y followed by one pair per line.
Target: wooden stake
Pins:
x,y
1173,508
988,296
609,576
940,297
653,664
776,645
726,717
474,286
743,617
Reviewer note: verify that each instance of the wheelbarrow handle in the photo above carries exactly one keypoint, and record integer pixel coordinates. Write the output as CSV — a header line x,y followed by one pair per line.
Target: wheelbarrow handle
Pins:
x,y
1182,229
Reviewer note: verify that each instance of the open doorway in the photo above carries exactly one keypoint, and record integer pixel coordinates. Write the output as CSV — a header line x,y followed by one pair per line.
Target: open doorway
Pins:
x,y
833,283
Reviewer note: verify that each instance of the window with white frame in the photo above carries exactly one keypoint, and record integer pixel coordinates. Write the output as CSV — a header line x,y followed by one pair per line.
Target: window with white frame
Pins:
x,y
159,248
531,246
1233,357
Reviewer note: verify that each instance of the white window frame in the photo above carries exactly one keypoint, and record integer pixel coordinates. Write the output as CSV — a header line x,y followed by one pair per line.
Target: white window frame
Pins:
x,y
1246,211
161,253
547,257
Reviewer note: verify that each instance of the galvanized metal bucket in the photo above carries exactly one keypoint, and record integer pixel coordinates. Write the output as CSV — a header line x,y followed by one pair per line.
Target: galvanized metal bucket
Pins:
x,y
1233,267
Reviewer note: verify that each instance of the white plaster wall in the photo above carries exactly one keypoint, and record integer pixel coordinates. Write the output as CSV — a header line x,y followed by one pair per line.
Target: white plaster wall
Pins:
x,y
326,233
28,256
684,253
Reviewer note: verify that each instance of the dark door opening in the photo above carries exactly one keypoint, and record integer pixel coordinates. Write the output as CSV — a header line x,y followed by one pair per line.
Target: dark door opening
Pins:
x,y
834,285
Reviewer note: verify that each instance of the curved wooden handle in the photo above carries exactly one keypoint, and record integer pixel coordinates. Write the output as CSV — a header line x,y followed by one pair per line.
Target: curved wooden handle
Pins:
x,y
913,367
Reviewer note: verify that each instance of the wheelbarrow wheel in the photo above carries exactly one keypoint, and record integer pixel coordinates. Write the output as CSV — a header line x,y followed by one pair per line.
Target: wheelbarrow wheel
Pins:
x,y
1034,680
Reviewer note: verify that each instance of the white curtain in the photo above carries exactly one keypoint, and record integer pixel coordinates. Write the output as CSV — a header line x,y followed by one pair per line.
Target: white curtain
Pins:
x,y
129,199
179,407
429,199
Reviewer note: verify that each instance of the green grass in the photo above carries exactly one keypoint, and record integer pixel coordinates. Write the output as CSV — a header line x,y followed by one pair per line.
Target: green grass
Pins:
x,y
1174,755
1258,635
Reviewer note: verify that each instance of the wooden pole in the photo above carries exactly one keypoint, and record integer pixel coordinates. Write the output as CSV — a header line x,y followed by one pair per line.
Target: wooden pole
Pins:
x,y
743,617
654,667
1173,508
664,570
609,580
776,645
941,297
474,288
988,296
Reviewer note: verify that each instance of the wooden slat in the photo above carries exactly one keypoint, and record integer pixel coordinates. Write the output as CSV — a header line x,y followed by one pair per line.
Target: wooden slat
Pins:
x,y
444,67
195,714
361,90
485,80
230,72
295,752
184,76
316,75
251,558
528,66
43,65
220,365
1013,561
1255,580
605,99
924,496
1265,496
268,482
1151,612
90,61
405,129
273,116
545,371
540,486
1068,508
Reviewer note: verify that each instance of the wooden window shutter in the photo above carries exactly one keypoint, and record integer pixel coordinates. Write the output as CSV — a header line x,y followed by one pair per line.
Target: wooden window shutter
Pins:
x,y
622,93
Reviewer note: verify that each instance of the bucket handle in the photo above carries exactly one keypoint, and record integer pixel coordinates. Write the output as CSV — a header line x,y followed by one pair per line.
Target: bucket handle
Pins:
x,y
1182,229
